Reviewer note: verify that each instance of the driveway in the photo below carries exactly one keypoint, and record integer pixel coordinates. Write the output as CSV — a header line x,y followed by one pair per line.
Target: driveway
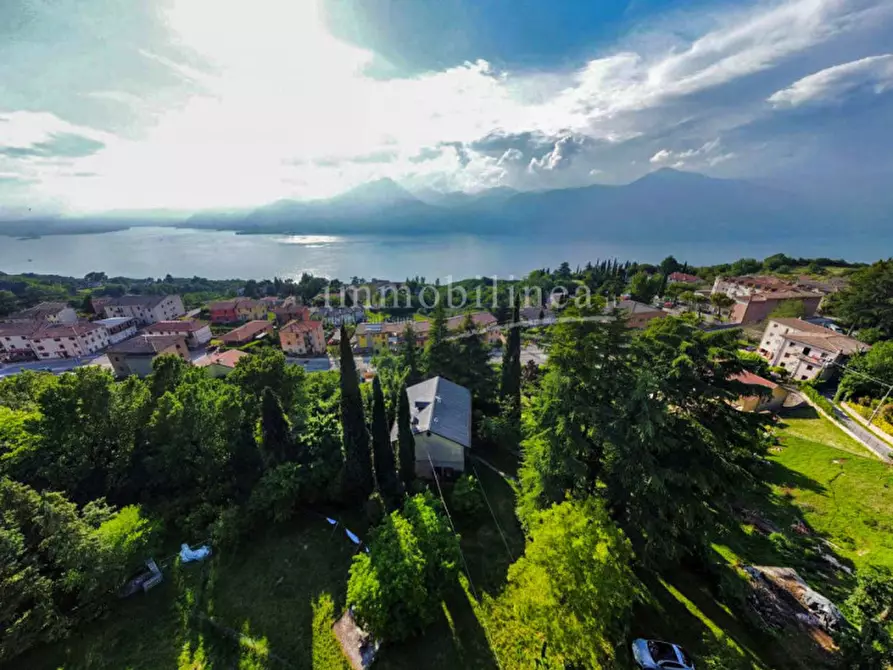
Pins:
x,y
869,439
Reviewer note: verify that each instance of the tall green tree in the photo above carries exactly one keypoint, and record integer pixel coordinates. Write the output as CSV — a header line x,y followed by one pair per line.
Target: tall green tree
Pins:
x,y
408,350
405,441
510,386
569,597
868,644
471,363
876,364
789,309
382,452
865,301
439,350
358,477
275,431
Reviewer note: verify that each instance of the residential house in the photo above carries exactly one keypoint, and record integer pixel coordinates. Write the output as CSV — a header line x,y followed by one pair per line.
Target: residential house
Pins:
x,y
637,314
537,315
757,307
221,363
806,350
98,303
378,336
68,340
745,285
15,339
247,332
135,356
335,316
440,416
302,338
47,312
759,401
682,278
119,328
197,333
291,310
146,309
237,310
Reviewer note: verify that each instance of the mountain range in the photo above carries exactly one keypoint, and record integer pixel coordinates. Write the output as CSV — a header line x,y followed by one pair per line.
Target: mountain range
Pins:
x,y
663,205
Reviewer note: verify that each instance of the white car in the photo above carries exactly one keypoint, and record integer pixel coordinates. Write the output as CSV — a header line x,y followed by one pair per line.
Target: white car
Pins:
x,y
656,655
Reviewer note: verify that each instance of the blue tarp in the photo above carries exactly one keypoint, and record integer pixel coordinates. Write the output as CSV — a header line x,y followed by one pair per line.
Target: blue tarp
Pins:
x,y
188,555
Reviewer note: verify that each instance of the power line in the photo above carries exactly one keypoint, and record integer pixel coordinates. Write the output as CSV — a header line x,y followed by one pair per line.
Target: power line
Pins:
x,y
450,519
493,514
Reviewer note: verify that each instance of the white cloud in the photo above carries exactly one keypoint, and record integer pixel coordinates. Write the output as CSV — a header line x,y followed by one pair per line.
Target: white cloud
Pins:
x,y
833,84
709,154
286,110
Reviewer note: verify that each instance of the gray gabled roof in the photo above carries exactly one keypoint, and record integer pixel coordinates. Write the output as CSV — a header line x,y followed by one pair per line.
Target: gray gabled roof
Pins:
x,y
442,407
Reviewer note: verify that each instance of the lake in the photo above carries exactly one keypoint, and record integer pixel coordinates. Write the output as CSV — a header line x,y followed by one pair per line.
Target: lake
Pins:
x,y
157,251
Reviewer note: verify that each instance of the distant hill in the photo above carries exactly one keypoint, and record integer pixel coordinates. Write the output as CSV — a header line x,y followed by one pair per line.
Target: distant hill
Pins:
x,y
665,205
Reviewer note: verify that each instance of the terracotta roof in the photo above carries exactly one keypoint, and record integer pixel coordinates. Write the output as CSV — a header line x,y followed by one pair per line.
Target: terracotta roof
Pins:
x,y
225,358
66,330
802,326
783,295
143,345
834,342
682,276
754,380
190,326
23,328
130,300
247,331
39,312
300,326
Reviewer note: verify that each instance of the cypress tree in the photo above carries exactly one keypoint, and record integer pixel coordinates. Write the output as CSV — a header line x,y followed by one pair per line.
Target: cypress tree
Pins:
x,y
358,479
438,353
382,453
409,351
275,430
510,389
405,441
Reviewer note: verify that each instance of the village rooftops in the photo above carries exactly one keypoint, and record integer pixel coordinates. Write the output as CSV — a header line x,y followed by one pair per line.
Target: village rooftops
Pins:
x,y
189,326
148,301
248,331
754,380
39,312
145,345
300,326
20,329
66,329
225,358
802,326
833,342
632,307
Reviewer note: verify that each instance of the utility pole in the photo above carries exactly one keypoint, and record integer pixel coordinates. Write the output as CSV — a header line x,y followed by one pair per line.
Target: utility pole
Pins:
x,y
876,381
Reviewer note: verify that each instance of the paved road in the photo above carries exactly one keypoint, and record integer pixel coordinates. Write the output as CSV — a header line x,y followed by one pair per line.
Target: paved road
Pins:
x,y
56,366
878,446
866,437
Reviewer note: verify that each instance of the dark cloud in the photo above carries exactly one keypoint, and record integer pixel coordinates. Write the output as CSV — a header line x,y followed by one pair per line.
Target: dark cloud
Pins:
x,y
61,145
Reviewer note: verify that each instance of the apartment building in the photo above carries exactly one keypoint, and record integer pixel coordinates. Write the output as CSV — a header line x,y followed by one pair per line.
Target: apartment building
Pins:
x,y
119,328
45,312
15,339
302,338
195,332
68,340
146,309
806,350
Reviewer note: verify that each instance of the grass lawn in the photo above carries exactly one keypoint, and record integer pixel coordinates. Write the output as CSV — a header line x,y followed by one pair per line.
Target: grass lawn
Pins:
x,y
275,598
807,424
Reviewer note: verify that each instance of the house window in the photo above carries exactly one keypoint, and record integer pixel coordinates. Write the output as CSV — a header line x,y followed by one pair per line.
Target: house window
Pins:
x,y
809,367
804,376
806,350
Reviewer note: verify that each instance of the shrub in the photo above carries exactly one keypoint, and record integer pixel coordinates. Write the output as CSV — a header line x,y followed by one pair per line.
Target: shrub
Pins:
x,y
230,526
466,498
375,509
396,588
278,492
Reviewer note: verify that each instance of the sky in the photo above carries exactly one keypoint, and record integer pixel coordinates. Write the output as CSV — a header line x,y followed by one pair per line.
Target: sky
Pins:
x,y
187,105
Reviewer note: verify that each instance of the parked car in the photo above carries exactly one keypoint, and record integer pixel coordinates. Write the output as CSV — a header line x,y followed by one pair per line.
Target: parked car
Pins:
x,y
656,655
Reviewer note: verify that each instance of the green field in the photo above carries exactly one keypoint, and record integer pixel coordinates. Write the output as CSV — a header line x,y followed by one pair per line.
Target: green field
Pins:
x,y
272,601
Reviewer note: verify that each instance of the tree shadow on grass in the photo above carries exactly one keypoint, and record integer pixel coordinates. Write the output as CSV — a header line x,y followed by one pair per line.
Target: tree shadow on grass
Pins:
x,y
456,639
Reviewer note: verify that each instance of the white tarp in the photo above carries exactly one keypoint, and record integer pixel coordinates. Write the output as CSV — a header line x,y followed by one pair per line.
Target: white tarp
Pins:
x,y
188,555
